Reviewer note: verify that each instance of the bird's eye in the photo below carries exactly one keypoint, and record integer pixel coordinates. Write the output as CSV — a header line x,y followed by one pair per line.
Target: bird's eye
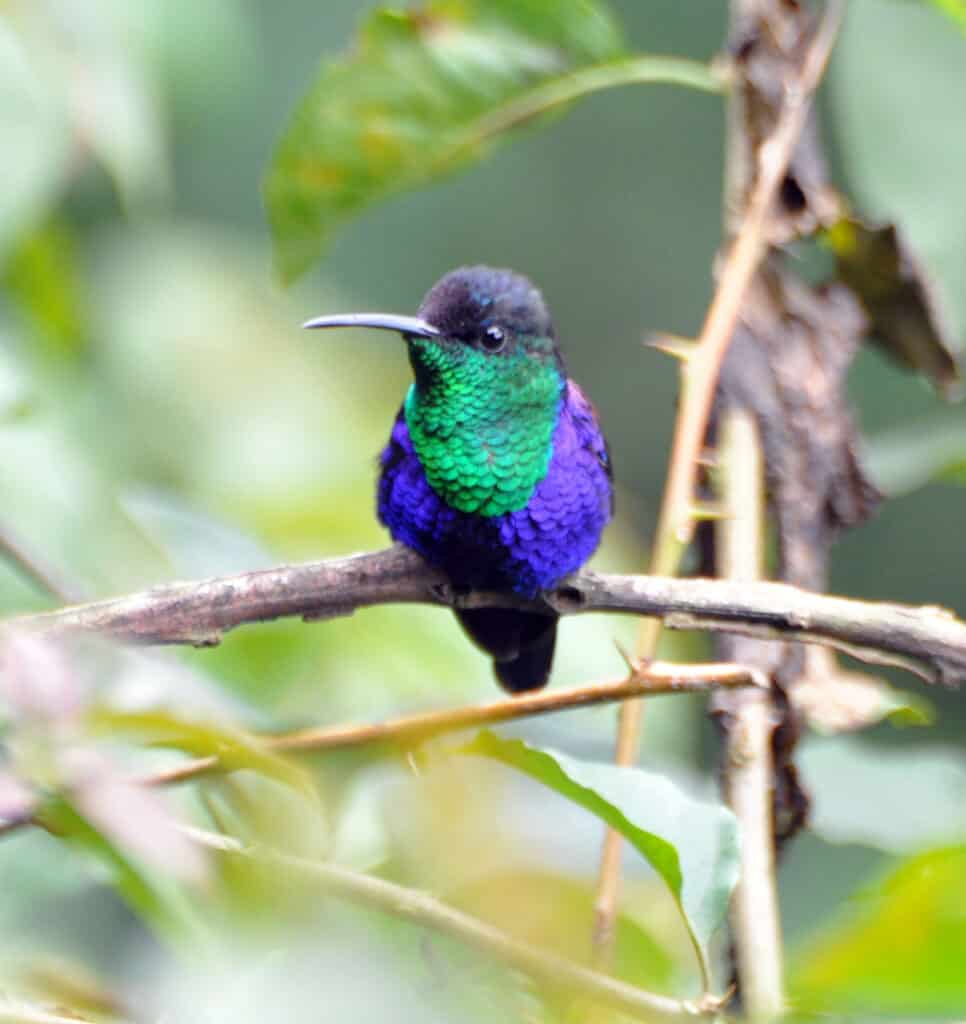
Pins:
x,y
493,339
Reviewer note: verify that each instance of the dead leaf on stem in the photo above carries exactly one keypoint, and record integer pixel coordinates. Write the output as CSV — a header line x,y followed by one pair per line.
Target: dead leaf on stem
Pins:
x,y
906,318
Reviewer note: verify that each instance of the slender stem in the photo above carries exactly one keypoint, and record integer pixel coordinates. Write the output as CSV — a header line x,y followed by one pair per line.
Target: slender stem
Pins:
x,y
699,378
14,550
29,1015
425,910
411,730
748,762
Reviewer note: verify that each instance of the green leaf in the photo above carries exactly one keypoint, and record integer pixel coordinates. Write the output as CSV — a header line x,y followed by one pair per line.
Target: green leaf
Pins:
x,y
423,93
900,949
45,280
956,9
195,544
903,708
235,749
692,845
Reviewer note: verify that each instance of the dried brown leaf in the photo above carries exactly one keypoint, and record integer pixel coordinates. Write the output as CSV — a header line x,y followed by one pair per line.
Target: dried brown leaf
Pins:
x,y
905,315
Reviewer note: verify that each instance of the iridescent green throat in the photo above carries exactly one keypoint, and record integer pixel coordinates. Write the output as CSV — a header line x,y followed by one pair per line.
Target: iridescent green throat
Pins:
x,y
482,424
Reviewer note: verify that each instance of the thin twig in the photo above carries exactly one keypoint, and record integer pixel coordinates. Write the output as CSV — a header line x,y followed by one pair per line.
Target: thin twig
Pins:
x,y
699,379
29,564
747,757
31,1015
928,640
425,910
411,730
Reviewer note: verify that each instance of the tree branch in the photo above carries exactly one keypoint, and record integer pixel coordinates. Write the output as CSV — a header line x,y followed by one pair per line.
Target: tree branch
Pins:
x,y
411,730
423,909
748,765
928,640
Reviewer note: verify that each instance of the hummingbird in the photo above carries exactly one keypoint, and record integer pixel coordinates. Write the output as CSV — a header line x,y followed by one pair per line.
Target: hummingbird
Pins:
x,y
496,470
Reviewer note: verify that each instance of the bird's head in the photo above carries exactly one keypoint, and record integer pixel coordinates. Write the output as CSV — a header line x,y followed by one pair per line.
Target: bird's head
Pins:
x,y
474,322
489,386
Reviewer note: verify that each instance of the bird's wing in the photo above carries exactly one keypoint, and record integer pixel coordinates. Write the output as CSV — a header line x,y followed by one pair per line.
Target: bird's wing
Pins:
x,y
584,416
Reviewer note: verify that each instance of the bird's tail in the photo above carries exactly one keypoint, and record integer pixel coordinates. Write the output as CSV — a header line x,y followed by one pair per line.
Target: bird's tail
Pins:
x,y
520,643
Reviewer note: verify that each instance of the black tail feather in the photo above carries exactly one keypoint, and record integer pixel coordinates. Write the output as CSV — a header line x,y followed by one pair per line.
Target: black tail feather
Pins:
x,y
521,644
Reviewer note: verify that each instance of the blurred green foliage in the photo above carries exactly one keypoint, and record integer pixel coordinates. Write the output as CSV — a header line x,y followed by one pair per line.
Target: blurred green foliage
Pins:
x,y
161,415
901,946
954,8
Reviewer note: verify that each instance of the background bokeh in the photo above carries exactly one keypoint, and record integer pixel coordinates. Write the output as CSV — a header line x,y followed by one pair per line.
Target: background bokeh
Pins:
x,y
162,416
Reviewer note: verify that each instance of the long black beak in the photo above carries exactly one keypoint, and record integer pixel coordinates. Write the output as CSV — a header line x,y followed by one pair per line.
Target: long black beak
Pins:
x,y
410,325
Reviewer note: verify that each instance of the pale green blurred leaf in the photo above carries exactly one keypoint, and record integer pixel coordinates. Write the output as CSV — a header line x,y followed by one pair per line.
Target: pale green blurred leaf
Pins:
x,y
404,107
115,106
158,900
338,966
72,84
255,809
899,949
36,139
554,912
900,800
235,749
205,54
691,844
38,873
909,457
194,543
